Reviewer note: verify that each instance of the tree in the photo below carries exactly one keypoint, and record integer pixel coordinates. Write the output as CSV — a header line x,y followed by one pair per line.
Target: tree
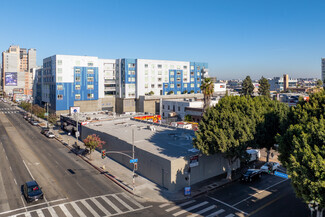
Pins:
x,y
272,123
170,92
302,149
227,129
264,88
247,87
319,83
151,93
207,88
92,142
188,118
185,92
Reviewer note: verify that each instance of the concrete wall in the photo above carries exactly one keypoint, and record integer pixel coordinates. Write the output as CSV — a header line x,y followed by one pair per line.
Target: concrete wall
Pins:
x,y
107,102
125,105
88,106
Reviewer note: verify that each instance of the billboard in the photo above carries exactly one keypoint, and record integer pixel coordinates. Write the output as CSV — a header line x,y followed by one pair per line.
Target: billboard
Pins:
x,y
11,79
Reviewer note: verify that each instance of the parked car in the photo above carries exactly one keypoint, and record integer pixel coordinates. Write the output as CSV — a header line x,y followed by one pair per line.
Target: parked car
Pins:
x,y
45,131
50,134
270,167
35,123
251,174
32,191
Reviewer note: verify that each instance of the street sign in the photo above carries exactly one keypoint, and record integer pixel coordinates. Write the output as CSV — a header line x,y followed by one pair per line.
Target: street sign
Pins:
x,y
77,134
134,160
283,175
194,161
46,114
187,191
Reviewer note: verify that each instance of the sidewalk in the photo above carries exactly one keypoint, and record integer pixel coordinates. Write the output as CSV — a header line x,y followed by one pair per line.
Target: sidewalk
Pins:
x,y
143,188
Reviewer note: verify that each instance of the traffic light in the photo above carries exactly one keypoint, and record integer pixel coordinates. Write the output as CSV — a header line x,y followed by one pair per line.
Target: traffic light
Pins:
x,y
103,154
135,166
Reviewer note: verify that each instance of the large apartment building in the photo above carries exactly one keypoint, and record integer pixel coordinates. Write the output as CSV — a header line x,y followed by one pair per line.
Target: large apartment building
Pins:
x,y
116,85
16,75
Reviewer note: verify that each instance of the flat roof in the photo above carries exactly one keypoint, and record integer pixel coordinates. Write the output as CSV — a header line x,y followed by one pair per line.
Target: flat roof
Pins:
x,y
167,142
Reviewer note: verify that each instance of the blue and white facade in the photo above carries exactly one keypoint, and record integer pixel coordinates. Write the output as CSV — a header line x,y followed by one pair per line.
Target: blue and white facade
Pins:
x,y
138,77
67,80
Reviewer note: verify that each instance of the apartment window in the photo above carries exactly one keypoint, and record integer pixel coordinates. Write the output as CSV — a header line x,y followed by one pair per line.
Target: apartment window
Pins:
x,y
198,73
192,73
159,66
77,86
172,79
90,86
159,72
59,70
153,79
185,79
152,86
146,72
77,71
90,64
178,85
145,65
192,79
171,72
166,79
179,108
163,106
59,78
131,65
179,73
60,97
159,85
198,79
146,79
78,96
153,66
90,71
171,85
192,67
145,85
173,108
184,67
78,78
198,68
59,62
185,85
192,85
90,95
59,87
166,85
90,79
178,79
159,79
168,107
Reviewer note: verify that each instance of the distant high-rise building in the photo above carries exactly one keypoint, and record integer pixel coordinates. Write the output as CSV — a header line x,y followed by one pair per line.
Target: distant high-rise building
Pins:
x,y
323,69
16,76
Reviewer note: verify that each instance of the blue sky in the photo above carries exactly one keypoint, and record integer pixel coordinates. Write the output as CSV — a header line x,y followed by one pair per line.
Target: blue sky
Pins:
x,y
236,37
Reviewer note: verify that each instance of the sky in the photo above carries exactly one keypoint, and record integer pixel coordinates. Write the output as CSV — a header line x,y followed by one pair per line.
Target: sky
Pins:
x,y
235,37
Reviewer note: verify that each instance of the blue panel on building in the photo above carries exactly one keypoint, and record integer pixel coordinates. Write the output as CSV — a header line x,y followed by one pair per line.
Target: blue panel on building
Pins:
x,y
129,67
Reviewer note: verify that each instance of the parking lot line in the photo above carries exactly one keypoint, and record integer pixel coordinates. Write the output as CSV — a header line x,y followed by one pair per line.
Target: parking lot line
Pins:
x,y
228,205
259,192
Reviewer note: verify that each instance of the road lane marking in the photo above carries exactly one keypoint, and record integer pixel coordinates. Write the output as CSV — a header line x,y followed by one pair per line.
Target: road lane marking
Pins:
x,y
78,210
15,181
216,213
260,192
164,205
132,200
122,202
40,213
28,170
228,205
265,205
230,215
52,211
65,210
180,205
90,209
203,211
100,206
10,168
112,205
190,208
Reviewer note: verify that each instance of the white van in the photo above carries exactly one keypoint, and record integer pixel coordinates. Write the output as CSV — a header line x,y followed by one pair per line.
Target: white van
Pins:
x,y
254,154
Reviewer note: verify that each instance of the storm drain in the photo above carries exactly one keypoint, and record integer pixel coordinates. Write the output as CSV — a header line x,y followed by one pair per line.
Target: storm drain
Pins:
x,y
71,171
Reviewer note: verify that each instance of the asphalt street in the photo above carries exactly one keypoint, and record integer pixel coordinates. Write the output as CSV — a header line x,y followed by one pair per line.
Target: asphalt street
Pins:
x,y
70,185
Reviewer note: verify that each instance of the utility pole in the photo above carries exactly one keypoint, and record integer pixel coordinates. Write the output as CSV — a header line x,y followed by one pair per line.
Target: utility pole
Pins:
x,y
47,112
133,180
77,133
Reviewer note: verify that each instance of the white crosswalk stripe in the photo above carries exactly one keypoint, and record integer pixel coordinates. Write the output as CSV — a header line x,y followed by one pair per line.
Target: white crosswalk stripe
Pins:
x,y
180,205
216,213
190,208
120,200
203,211
230,215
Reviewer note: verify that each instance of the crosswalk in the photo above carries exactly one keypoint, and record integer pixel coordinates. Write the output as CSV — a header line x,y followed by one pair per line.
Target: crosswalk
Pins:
x,y
105,205
195,208
8,110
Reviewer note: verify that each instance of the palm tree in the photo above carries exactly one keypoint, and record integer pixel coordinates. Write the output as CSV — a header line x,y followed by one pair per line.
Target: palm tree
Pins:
x,y
207,88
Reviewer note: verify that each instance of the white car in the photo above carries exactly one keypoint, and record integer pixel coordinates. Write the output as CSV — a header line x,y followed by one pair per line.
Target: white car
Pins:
x,y
270,166
50,134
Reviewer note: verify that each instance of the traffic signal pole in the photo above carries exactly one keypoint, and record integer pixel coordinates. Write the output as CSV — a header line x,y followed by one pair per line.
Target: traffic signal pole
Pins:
x,y
133,180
